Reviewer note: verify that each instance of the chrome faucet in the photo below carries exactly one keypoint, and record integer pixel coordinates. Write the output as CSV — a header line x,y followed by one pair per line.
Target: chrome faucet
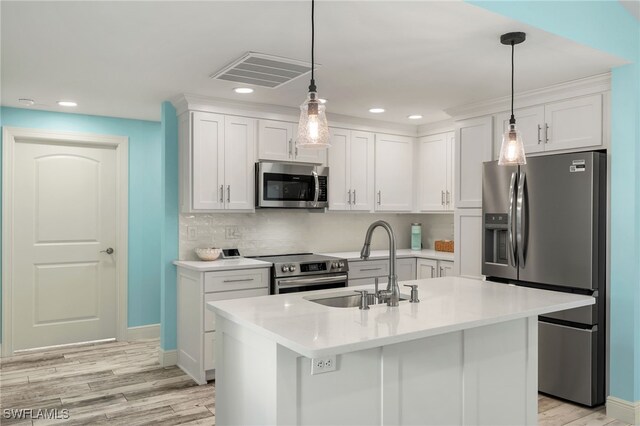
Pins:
x,y
392,294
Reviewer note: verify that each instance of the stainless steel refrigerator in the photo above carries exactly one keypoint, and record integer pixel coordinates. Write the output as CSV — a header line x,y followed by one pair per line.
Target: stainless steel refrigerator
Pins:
x,y
545,227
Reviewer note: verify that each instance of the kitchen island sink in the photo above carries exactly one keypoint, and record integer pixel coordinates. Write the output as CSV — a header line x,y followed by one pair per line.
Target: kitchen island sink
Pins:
x,y
346,300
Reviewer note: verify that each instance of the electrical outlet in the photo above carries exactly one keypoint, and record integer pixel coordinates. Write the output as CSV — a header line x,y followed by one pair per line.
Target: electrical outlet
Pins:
x,y
231,233
323,365
192,233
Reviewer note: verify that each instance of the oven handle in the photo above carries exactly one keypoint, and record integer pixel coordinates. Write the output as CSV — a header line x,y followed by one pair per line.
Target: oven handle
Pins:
x,y
317,194
312,281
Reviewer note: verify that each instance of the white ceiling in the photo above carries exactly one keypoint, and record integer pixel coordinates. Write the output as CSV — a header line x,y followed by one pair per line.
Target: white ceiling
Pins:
x,y
124,58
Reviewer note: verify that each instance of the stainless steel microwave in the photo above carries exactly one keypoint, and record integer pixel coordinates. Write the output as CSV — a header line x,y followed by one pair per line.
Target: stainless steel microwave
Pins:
x,y
291,186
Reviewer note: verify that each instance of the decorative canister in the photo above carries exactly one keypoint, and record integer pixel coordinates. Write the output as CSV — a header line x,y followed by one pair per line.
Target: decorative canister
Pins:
x,y
416,236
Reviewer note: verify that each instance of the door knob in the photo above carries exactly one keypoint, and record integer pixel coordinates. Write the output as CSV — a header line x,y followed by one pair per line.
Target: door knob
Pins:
x,y
108,251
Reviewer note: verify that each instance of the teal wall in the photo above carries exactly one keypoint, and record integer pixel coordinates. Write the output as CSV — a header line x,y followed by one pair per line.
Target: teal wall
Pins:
x,y
607,26
145,209
169,241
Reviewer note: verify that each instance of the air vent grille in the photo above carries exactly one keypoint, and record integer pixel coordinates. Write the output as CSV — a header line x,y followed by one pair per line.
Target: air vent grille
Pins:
x,y
263,70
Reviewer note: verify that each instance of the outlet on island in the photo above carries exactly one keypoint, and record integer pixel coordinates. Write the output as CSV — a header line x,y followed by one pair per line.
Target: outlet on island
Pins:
x,y
323,365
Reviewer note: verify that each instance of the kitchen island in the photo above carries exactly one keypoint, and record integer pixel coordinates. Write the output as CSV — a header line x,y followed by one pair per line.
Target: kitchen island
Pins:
x,y
465,354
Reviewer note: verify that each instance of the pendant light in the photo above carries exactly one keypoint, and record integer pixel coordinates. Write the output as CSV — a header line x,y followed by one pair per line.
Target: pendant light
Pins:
x,y
512,149
313,130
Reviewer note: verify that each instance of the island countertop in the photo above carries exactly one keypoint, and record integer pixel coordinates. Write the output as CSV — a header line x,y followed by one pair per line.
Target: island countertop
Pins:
x,y
446,305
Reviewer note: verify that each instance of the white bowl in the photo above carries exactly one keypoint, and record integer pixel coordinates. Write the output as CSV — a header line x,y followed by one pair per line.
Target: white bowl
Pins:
x,y
208,253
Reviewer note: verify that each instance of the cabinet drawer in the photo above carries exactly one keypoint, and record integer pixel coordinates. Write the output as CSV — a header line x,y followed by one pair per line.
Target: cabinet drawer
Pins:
x,y
367,269
236,280
210,316
209,341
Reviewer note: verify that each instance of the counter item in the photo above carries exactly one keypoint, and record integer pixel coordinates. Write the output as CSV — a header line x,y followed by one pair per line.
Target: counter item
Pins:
x,y
444,245
208,253
416,236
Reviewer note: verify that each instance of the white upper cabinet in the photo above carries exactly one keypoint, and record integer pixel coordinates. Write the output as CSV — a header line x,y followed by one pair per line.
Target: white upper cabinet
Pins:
x,y
563,125
239,142
473,146
277,142
530,122
351,164
393,173
208,161
216,162
435,172
575,123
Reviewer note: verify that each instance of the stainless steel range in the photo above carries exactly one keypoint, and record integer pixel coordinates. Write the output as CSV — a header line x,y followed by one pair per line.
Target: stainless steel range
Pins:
x,y
292,273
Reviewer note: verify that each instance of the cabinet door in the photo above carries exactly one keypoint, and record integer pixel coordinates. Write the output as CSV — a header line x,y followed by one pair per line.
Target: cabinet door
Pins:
x,y
208,164
468,243
393,173
445,268
575,123
433,172
530,122
406,269
427,268
307,155
449,194
473,146
238,162
275,140
360,169
338,174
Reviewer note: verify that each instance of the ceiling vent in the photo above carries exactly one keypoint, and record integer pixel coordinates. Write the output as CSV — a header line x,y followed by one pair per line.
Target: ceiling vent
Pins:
x,y
263,70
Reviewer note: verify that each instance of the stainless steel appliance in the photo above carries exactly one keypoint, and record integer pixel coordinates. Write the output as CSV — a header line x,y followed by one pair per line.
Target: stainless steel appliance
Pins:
x,y
544,227
292,273
291,186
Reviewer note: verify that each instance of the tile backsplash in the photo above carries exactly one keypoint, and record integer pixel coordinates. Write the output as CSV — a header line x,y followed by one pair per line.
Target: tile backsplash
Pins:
x,y
268,232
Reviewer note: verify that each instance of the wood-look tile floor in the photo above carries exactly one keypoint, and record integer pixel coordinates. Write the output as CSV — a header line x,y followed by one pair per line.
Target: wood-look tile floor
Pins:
x,y
122,383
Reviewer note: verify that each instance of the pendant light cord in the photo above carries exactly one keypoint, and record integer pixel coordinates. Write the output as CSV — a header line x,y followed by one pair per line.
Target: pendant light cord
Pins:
x,y
512,76
312,86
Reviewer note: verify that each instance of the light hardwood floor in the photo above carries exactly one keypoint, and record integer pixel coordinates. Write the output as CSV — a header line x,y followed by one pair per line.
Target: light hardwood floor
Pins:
x,y
122,383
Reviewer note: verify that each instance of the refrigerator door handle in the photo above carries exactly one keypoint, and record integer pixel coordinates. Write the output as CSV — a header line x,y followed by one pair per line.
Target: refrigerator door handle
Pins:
x,y
520,243
512,199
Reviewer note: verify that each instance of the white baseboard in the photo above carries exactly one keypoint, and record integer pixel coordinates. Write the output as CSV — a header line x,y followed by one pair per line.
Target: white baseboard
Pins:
x,y
143,332
167,358
625,411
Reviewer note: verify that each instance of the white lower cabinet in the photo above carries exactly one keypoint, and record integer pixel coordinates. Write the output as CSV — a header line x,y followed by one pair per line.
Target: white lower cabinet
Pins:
x,y
196,324
432,268
363,272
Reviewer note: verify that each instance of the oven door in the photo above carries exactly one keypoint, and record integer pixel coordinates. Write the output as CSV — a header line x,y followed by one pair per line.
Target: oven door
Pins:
x,y
283,185
296,285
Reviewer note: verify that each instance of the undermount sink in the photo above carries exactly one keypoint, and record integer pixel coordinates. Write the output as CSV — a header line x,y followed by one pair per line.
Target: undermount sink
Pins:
x,y
346,300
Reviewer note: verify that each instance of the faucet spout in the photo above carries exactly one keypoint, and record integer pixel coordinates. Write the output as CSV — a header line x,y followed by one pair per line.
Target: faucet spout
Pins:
x,y
392,293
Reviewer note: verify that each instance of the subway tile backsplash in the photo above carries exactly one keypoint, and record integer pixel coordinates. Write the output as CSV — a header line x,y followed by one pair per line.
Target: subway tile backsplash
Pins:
x,y
268,232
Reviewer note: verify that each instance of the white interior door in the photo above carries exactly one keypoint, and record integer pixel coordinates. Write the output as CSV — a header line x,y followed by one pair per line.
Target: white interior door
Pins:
x,y
64,216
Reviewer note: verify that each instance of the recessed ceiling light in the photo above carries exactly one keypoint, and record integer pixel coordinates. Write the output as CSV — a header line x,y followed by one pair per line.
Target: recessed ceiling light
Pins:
x,y
376,110
322,101
67,103
414,117
26,102
243,90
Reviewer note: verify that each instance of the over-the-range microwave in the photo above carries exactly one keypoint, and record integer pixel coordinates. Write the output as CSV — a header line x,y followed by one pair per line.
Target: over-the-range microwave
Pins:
x,y
291,185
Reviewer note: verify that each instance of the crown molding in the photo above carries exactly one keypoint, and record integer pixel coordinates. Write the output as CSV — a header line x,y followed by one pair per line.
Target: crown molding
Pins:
x,y
436,127
570,89
190,102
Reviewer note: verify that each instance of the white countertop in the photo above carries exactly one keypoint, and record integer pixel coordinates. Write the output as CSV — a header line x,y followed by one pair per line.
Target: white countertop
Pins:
x,y
446,305
222,264
400,253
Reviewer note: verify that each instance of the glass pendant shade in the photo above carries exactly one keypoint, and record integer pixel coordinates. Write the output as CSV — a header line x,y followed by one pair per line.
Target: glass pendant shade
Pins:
x,y
313,130
512,149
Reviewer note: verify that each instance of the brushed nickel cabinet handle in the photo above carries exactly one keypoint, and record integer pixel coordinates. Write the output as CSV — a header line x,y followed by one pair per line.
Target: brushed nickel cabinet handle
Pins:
x,y
221,193
354,196
379,197
349,201
539,138
228,193
546,134
238,281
